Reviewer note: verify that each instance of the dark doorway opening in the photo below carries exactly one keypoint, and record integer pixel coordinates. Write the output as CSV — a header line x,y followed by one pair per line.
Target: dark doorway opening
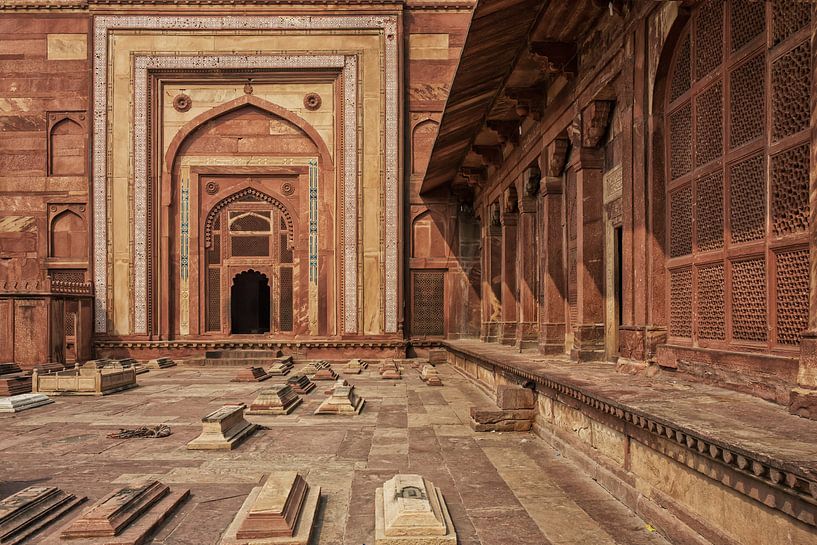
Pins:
x,y
250,303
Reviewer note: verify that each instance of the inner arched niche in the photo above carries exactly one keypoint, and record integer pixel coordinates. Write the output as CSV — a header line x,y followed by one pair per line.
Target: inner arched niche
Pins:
x,y
244,144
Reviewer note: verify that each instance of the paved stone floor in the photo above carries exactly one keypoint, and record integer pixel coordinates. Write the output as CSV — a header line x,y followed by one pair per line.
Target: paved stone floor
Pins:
x,y
501,488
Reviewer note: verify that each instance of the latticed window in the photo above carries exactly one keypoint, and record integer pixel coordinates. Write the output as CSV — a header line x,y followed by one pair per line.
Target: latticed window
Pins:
x,y
428,297
737,170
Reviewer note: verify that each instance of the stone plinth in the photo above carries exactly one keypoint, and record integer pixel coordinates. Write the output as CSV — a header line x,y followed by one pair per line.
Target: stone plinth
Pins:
x,y
314,366
343,401
281,367
89,380
325,374
390,370
430,376
355,366
24,514
96,364
437,355
281,512
8,368
16,384
160,363
251,374
339,382
410,510
126,516
280,399
22,402
501,420
301,384
223,429
127,363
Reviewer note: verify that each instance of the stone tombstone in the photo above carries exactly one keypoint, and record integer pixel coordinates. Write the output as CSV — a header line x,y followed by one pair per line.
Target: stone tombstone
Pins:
x,y
390,370
355,366
31,510
327,373
126,516
160,363
251,374
410,510
281,512
281,367
301,384
22,402
342,401
223,429
431,376
277,400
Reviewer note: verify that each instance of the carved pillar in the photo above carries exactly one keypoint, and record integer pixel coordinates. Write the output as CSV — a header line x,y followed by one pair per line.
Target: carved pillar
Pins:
x,y
492,276
587,162
803,399
552,311
510,219
527,332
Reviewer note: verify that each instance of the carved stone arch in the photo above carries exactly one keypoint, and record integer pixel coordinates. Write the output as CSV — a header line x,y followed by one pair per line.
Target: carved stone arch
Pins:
x,y
243,194
200,120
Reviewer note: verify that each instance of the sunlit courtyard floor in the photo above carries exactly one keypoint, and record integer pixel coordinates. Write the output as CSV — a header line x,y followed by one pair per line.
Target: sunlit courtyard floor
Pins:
x,y
501,488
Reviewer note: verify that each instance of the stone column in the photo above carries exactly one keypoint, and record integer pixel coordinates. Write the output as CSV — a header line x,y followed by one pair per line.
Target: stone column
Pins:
x,y
803,399
527,332
552,273
510,219
588,340
491,278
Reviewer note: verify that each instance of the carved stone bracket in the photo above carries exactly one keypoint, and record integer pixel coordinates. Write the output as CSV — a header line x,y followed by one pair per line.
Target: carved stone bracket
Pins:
x,y
530,179
507,130
595,120
491,154
556,157
529,100
555,57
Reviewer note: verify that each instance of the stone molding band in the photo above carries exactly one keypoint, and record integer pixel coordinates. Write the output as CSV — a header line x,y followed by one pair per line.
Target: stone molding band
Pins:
x,y
102,26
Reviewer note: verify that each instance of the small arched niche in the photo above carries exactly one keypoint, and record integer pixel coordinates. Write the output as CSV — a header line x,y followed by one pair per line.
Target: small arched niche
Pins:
x,y
68,237
66,148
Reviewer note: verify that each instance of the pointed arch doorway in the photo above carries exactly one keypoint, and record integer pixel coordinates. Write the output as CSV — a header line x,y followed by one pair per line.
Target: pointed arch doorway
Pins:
x,y
250,303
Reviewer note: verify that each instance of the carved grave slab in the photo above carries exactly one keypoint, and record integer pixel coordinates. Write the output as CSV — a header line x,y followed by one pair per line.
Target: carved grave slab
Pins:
x,y
326,373
279,399
342,401
281,512
22,402
390,370
160,363
301,384
251,374
410,510
126,516
355,366
281,367
431,376
26,513
223,429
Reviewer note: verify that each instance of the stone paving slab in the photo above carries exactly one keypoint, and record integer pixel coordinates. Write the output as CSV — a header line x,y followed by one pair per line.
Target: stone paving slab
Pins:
x,y
500,488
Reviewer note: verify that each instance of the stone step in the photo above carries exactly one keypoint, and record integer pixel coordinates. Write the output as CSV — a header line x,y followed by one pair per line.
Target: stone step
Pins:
x,y
12,385
22,402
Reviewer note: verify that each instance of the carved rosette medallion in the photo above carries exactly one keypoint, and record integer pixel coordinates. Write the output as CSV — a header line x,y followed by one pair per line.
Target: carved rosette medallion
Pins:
x,y
211,188
182,102
312,101
287,189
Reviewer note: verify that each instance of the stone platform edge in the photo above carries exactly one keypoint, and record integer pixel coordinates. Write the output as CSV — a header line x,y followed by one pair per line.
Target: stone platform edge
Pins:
x,y
768,483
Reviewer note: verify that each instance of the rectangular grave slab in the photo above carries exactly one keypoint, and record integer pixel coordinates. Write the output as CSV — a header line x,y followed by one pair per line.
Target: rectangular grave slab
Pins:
x,y
279,369
431,376
279,399
223,429
127,516
281,512
325,374
301,384
22,402
160,363
389,370
26,513
251,374
410,510
342,401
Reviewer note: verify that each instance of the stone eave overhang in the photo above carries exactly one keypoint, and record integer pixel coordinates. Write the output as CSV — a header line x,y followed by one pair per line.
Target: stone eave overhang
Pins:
x,y
497,35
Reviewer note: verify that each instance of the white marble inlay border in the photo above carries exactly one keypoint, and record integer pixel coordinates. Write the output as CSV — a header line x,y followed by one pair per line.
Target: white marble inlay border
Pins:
x,y
142,65
388,24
